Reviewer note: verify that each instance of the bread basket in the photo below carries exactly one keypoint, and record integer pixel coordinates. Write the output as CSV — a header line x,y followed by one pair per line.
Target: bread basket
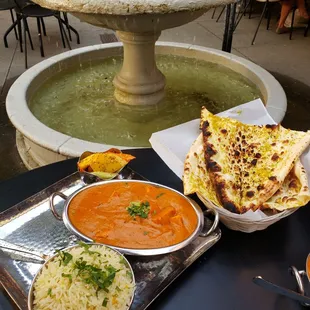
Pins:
x,y
236,222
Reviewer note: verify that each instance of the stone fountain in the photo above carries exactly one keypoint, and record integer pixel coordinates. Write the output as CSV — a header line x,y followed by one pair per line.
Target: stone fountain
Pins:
x,y
138,24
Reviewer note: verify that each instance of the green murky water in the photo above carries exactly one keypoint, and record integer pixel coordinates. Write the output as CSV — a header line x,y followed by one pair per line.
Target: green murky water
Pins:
x,y
79,101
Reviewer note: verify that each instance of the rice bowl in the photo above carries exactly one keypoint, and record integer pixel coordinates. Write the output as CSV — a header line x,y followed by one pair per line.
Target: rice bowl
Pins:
x,y
86,276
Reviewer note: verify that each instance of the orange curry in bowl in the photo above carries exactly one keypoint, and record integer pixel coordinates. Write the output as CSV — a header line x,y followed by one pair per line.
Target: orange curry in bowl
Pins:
x,y
132,215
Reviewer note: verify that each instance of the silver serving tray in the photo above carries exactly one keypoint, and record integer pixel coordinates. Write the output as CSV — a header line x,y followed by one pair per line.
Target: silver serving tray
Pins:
x,y
31,224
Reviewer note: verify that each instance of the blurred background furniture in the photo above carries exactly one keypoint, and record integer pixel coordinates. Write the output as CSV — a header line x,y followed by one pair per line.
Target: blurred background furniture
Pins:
x,y
25,9
247,6
268,8
4,6
307,29
293,19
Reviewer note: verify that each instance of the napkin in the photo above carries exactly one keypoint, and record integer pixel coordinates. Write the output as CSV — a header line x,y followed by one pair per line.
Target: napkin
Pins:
x,y
173,144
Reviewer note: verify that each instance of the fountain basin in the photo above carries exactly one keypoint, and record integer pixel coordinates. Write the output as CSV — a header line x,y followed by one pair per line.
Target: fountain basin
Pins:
x,y
39,145
139,24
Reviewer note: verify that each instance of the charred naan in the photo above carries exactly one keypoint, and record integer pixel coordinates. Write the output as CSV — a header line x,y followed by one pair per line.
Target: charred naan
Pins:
x,y
196,179
247,164
293,193
225,173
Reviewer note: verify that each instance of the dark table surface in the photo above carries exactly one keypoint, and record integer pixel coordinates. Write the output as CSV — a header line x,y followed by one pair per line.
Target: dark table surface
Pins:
x,y
222,277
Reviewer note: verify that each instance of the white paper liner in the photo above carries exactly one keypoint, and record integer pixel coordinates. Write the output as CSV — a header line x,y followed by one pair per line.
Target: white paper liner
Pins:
x,y
173,144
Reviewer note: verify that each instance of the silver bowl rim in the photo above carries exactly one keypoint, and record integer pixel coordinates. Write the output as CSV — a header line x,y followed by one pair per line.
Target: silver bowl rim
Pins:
x,y
133,251
31,289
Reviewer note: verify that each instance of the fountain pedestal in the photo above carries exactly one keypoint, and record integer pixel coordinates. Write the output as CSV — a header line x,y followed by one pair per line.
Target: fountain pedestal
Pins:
x,y
139,82
138,24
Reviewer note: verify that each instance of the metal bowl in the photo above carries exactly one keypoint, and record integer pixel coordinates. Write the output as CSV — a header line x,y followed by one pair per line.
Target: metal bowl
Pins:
x,y
132,251
31,290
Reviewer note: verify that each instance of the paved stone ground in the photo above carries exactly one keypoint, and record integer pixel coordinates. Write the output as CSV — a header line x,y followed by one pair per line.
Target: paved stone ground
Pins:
x,y
289,61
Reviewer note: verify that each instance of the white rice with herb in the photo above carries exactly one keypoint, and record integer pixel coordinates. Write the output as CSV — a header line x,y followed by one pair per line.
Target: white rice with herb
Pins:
x,y
84,277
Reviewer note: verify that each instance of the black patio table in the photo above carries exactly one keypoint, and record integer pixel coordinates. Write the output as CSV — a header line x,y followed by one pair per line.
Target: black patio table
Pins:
x,y
222,277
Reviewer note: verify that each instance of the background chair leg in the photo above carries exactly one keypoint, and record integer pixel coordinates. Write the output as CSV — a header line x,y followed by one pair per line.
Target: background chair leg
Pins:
x,y
240,15
270,7
76,33
222,11
13,20
25,40
19,25
67,24
307,29
29,36
15,24
260,21
292,23
40,36
43,26
63,33
266,13
251,8
213,13
71,28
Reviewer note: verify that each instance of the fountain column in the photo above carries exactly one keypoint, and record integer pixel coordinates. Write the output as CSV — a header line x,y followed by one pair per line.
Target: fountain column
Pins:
x,y
139,82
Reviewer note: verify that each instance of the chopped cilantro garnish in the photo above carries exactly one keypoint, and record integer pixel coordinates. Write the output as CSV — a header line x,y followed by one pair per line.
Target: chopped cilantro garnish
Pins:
x,y
122,260
49,292
65,257
128,273
139,208
105,302
101,279
159,195
118,289
67,275
145,233
86,248
154,212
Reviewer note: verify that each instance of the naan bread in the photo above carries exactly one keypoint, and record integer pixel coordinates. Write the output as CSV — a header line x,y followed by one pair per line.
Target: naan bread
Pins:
x,y
224,172
247,164
196,179
293,193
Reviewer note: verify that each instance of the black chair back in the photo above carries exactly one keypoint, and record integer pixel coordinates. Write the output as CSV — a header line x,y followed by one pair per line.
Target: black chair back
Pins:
x,y
21,4
6,4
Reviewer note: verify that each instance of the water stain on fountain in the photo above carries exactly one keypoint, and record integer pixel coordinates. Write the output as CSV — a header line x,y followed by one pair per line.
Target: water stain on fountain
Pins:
x,y
79,101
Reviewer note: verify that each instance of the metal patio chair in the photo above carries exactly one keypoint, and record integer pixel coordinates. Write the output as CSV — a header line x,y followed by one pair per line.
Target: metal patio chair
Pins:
x,y
8,5
268,7
25,9
293,19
